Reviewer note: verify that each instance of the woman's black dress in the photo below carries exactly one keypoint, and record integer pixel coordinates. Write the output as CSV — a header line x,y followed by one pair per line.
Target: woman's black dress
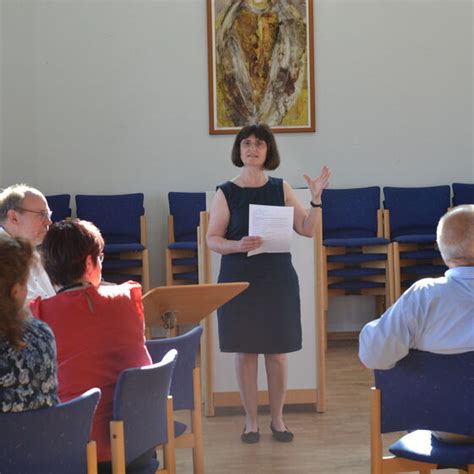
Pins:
x,y
265,318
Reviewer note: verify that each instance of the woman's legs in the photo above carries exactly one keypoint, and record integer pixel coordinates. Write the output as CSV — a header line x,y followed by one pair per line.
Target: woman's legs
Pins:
x,y
277,376
246,366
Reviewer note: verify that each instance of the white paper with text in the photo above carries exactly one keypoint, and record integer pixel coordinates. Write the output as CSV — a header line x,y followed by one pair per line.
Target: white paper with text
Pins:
x,y
274,224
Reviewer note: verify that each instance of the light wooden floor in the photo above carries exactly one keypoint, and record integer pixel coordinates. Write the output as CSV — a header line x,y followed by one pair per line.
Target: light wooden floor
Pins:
x,y
336,441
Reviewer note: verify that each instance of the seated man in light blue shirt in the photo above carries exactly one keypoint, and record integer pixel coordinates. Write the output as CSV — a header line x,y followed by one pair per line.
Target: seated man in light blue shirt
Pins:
x,y
435,314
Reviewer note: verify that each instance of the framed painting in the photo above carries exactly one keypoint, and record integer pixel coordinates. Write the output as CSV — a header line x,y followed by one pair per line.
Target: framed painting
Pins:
x,y
261,64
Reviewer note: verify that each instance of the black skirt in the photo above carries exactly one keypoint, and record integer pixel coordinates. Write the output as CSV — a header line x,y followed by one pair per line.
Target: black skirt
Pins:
x,y
265,318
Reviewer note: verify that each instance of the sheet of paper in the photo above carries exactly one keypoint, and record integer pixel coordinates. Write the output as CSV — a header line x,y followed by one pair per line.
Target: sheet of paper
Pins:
x,y
274,224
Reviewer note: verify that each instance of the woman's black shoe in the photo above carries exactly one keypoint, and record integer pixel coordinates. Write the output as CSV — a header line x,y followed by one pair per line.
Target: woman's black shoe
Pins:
x,y
282,436
250,437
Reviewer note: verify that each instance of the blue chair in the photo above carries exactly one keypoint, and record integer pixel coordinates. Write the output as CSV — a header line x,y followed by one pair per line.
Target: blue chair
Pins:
x,y
424,392
50,440
463,193
410,219
141,409
353,258
183,221
59,204
121,220
185,389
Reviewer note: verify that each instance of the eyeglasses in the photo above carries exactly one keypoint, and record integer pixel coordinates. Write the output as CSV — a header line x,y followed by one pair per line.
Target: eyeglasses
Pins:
x,y
45,215
256,143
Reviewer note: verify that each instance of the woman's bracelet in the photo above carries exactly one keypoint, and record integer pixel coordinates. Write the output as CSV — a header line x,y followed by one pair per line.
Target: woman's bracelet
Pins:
x,y
316,205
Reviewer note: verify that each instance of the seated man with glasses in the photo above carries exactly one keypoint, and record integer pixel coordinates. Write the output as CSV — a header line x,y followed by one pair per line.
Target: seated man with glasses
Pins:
x,y
24,212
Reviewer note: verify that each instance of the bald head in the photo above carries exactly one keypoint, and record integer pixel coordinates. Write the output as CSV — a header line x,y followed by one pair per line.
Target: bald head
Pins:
x,y
455,236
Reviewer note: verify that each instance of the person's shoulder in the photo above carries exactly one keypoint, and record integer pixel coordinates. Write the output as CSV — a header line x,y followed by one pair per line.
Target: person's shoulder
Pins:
x,y
38,328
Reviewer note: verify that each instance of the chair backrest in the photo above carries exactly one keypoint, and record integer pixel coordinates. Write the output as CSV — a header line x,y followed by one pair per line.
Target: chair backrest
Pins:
x,y
51,440
185,209
59,204
117,216
415,211
187,346
463,193
428,391
140,402
350,213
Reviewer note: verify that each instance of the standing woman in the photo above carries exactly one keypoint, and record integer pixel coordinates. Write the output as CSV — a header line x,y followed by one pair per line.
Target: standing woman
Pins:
x,y
28,370
265,319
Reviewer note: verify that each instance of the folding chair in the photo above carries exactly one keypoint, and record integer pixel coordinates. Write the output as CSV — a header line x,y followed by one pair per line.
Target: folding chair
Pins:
x,y
185,389
411,216
183,221
424,392
142,407
121,220
353,258
59,204
463,193
50,440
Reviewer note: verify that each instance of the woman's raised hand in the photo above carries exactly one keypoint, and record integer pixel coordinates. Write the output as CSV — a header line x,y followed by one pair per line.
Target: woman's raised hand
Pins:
x,y
248,243
318,184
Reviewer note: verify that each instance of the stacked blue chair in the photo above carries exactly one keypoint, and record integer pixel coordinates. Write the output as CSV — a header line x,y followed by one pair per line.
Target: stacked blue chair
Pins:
x,y
424,392
121,220
463,193
353,257
183,221
59,205
410,219
142,406
50,440
185,389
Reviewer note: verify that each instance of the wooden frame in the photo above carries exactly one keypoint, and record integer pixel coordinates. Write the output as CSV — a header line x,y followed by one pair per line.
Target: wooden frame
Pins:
x,y
248,82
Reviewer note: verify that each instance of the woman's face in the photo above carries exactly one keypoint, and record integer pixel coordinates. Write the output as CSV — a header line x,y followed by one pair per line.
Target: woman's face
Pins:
x,y
253,152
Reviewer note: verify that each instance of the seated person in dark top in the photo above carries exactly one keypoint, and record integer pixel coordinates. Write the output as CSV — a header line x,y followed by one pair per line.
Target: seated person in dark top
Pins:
x,y
28,371
99,329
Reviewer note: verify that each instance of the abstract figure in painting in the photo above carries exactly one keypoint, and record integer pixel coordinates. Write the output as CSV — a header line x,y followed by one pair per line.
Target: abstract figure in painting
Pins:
x,y
261,62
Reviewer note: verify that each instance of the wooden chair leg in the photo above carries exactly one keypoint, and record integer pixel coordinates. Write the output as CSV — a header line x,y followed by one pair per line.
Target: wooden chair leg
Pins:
x,y
169,454
376,458
91,457
117,443
196,423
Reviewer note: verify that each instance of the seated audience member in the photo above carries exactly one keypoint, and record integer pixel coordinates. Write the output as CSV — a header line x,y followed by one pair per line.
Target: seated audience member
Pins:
x,y
99,329
434,314
28,372
24,212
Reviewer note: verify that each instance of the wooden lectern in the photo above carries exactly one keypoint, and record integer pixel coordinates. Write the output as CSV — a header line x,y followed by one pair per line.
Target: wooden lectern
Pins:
x,y
168,306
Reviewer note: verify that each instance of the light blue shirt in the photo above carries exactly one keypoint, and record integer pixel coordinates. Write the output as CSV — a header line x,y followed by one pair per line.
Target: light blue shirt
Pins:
x,y
433,315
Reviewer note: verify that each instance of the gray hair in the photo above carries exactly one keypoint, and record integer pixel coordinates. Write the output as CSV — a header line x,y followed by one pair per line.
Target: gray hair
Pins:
x,y
455,235
12,198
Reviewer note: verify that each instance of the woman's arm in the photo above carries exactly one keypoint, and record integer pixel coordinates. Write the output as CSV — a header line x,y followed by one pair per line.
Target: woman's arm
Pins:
x,y
218,223
305,221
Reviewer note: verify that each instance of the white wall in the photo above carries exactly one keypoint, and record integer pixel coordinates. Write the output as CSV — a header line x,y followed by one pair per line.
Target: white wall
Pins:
x,y
110,96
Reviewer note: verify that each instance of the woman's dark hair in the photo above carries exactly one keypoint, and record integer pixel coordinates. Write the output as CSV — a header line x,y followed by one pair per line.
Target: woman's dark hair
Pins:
x,y
16,255
65,248
262,132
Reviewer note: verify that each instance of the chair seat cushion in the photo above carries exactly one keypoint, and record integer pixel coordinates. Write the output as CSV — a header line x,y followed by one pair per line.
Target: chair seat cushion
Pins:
x,y
422,446
424,270
115,264
416,239
355,272
183,246
357,257
118,248
421,254
193,276
355,285
356,242
179,428
184,261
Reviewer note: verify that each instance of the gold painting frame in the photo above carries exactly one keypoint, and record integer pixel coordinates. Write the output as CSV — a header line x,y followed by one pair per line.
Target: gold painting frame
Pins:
x,y
261,65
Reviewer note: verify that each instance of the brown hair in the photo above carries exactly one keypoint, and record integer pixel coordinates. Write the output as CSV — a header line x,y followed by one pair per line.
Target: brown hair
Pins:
x,y
16,255
65,248
262,132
